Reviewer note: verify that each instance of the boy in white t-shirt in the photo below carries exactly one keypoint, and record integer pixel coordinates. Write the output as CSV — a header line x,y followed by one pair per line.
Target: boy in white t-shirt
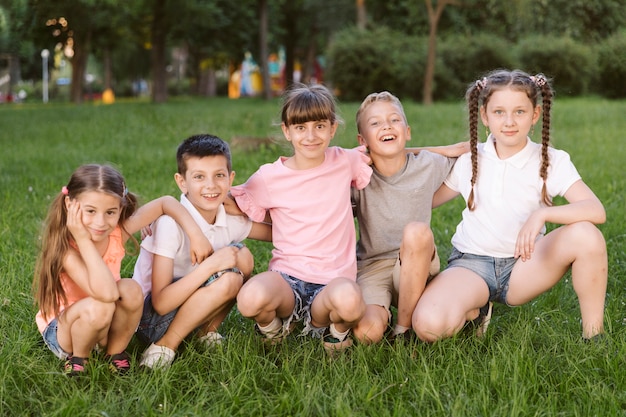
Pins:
x,y
181,297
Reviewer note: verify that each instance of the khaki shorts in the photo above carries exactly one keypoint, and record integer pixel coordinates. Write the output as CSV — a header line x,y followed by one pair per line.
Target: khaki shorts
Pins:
x,y
379,280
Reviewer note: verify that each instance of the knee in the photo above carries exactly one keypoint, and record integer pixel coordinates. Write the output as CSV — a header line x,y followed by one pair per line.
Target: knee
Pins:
x,y
586,236
348,300
251,298
428,324
98,314
417,236
368,331
245,261
228,285
131,296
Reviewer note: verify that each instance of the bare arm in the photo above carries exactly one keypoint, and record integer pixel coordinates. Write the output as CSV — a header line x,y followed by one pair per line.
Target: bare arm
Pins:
x,y
583,205
443,195
168,295
149,212
261,231
451,151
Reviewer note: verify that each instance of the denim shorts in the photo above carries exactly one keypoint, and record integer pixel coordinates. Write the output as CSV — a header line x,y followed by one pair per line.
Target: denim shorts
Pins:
x,y
153,326
304,294
50,339
496,272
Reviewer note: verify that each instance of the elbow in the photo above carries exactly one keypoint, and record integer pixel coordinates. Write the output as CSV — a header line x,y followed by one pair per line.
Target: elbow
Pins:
x,y
158,306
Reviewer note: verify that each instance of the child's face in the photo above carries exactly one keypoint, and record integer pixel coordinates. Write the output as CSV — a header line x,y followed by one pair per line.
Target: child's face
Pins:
x,y
384,130
310,139
206,183
510,115
100,213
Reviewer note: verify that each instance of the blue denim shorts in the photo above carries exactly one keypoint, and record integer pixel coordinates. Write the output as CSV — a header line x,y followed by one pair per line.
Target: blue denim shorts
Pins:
x,y
50,339
304,294
496,272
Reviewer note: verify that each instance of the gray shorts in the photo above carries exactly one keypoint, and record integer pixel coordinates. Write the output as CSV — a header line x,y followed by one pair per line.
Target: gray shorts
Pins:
x,y
50,339
496,272
304,294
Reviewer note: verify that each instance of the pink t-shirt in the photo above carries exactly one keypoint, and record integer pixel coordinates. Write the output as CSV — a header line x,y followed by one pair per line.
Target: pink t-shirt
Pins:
x,y
112,258
312,222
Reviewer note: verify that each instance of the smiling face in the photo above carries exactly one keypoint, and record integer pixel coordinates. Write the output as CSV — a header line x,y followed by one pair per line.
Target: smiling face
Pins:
x,y
383,129
100,213
510,115
206,183
310,140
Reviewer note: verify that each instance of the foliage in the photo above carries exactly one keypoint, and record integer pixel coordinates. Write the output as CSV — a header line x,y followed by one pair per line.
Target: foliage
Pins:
x,y
612,66
571,64
465,58
531,363
376,60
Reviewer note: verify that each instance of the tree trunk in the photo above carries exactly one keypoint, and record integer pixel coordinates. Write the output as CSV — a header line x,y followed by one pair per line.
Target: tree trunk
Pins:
x,y
79,64
433,21
361,14
108,70
263,48
158,60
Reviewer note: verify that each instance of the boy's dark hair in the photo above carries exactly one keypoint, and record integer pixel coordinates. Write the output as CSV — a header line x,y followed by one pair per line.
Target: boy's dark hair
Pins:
x,y
200,146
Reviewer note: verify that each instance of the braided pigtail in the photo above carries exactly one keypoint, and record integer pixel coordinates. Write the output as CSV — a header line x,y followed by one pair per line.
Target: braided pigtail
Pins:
x,y
546,95
472,103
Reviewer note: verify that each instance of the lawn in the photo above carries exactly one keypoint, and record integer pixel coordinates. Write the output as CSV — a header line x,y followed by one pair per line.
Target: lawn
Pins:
x,y
531,362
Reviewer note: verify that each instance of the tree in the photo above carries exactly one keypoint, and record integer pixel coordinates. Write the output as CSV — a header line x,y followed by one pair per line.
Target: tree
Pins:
x,y
434,14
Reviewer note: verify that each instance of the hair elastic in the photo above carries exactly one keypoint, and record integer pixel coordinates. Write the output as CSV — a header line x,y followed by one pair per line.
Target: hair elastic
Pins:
x,y
65,191
480,84
540,79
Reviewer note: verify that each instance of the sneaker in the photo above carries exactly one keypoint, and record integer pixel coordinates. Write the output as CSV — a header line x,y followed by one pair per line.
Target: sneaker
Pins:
x,y
212,339
74,366
334,346
157,357
277,337
482,321
119,363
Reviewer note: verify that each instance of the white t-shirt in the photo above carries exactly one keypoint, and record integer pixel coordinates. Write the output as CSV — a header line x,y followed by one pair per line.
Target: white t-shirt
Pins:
x,y
169,240
507,191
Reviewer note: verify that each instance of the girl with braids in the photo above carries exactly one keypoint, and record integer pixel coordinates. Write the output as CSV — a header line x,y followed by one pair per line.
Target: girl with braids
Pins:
x,y
500,252
82,300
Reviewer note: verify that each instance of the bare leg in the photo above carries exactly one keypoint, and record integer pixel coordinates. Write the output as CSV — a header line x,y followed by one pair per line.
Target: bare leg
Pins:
x,y
202,306
450,299
340,303
416,253
580,246
264,297
371,328
83,324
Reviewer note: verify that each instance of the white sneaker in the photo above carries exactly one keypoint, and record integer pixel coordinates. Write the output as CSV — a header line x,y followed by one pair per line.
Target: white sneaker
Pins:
x,y
157,357
212,339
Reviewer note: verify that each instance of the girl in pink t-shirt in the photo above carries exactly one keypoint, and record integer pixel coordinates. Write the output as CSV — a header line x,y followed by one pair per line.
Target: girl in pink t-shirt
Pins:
x,y
82,300
312,273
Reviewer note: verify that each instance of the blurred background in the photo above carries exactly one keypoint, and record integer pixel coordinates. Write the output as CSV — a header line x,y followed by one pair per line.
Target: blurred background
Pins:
x,y
422,50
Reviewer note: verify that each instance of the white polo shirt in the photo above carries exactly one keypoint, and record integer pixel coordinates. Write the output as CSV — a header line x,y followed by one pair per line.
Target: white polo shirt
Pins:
x,y
507,191
169,240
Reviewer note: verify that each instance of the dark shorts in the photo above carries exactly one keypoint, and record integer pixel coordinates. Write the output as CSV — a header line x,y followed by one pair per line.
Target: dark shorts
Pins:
x,y
304,294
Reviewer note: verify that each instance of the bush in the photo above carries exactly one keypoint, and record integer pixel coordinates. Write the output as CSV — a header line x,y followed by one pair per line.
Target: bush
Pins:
x,y
365,61
463,59
612,67
570,64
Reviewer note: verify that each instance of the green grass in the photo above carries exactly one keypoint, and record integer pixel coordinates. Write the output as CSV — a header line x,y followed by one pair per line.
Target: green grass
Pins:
x,y
532,361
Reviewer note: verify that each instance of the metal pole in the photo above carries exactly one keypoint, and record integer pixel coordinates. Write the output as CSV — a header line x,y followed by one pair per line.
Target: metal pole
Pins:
x,y
44,56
